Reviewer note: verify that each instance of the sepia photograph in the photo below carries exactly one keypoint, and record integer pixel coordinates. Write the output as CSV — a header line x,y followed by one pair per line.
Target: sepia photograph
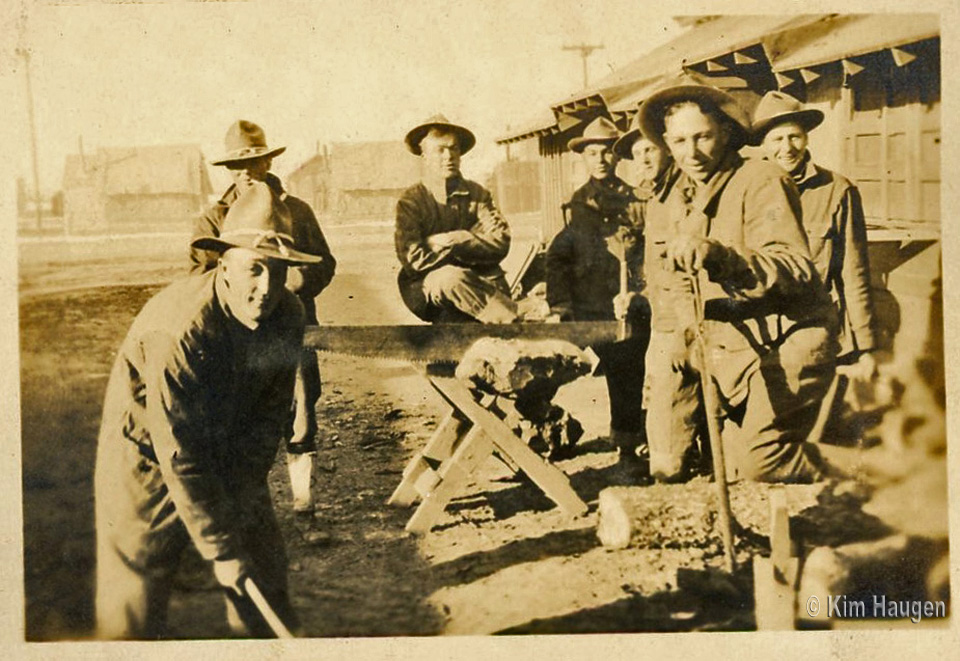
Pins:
x,y
376,320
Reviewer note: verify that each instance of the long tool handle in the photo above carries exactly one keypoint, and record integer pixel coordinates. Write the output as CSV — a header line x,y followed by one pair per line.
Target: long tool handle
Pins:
x,y
623,328
712,403
270,616
834,392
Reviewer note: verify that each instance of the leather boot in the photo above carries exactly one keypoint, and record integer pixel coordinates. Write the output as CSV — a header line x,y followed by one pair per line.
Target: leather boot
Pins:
x,y
633,461
499,309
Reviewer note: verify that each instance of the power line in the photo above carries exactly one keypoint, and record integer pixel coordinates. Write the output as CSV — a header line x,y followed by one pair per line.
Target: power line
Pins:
x,y
585,51
25,54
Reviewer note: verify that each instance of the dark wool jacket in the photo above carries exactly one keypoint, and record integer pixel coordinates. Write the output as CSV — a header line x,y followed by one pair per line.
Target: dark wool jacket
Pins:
x,y
307,237
195,409
583,260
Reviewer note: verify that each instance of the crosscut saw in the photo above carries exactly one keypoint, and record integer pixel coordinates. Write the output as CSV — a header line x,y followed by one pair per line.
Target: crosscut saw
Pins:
x,y
446,343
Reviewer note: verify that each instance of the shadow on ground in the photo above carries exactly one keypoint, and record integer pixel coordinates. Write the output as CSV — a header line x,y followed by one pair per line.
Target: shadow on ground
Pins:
x,y
708,604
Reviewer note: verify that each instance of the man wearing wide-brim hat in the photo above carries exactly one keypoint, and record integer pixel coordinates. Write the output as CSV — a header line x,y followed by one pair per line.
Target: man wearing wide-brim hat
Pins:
x,y
601,242
197,403
248,158
450,237
731,228
653,166
833,220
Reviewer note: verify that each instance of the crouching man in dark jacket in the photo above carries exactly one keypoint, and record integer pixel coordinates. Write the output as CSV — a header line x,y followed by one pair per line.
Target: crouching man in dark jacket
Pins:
x,y
450,237
197,404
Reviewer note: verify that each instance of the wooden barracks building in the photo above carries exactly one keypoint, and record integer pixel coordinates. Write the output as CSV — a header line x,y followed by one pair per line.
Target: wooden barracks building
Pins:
x,y
877,79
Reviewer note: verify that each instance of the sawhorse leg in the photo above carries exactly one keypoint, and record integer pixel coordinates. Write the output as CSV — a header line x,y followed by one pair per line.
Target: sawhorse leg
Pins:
x,y
450,478
438,449
468,436
545,475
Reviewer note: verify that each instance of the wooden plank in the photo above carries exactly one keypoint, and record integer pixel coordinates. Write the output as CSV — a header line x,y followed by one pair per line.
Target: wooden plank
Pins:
x,y
471,452
507,461
780,548
546,476
426,482
439,447
775,578
775,600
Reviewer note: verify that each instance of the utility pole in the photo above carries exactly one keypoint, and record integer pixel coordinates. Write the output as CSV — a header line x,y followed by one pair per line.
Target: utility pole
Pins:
x,y
25,54
585,51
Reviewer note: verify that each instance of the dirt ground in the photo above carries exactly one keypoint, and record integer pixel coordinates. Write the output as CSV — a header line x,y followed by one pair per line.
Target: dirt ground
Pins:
x,y
502,559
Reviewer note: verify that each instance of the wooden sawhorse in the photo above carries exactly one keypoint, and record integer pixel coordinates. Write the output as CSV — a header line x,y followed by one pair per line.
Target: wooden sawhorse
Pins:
x,y
468,435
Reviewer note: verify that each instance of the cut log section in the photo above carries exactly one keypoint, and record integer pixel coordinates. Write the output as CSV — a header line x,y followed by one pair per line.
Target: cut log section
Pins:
x,y
649,517
685,515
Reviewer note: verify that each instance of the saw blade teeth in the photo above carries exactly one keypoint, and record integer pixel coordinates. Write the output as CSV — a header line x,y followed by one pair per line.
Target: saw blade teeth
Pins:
x,y
393,360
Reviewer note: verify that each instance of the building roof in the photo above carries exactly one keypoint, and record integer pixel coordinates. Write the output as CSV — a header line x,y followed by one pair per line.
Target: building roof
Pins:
x,y
150,170
837,37
703,40
782,42
315,162
372,166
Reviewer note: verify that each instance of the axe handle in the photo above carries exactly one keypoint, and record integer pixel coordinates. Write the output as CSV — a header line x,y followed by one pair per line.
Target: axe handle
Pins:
x,y
833,394
623,329
270,616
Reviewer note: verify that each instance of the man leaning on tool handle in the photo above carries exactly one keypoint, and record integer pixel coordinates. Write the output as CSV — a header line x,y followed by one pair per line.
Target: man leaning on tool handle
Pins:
x,y
727,244
594,273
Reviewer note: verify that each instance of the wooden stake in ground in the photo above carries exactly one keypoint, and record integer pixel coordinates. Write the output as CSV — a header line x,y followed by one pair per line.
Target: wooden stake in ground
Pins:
x,y
775,578
711,402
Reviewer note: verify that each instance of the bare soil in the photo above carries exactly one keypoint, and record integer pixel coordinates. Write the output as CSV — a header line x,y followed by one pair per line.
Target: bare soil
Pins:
x,y
502,559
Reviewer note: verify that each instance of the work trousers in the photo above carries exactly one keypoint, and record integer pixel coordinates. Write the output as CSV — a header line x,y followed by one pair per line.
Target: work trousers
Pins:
x,y
622,366
133,594
764,436
306,393
675,412
454,294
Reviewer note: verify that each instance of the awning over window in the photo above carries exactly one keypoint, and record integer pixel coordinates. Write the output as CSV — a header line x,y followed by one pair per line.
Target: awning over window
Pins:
x,y
835,38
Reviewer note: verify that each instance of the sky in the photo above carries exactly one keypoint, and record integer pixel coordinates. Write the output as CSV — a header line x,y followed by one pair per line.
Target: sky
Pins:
x,y
130,74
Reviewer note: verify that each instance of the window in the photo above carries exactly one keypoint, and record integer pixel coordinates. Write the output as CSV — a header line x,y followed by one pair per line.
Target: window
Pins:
x,y
892,140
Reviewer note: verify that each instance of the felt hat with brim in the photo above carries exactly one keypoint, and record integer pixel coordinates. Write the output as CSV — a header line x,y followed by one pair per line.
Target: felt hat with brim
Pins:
x,y
600,131
693,87
245,141
778,108
465,137
258,220
623,147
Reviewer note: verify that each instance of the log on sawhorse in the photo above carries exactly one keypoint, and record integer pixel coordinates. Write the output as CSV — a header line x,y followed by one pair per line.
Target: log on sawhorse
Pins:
x,y
468,435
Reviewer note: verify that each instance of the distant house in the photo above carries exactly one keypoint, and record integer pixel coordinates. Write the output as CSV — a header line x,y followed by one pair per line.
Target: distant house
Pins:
x,y
355,179
134,189
877,79
311,181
